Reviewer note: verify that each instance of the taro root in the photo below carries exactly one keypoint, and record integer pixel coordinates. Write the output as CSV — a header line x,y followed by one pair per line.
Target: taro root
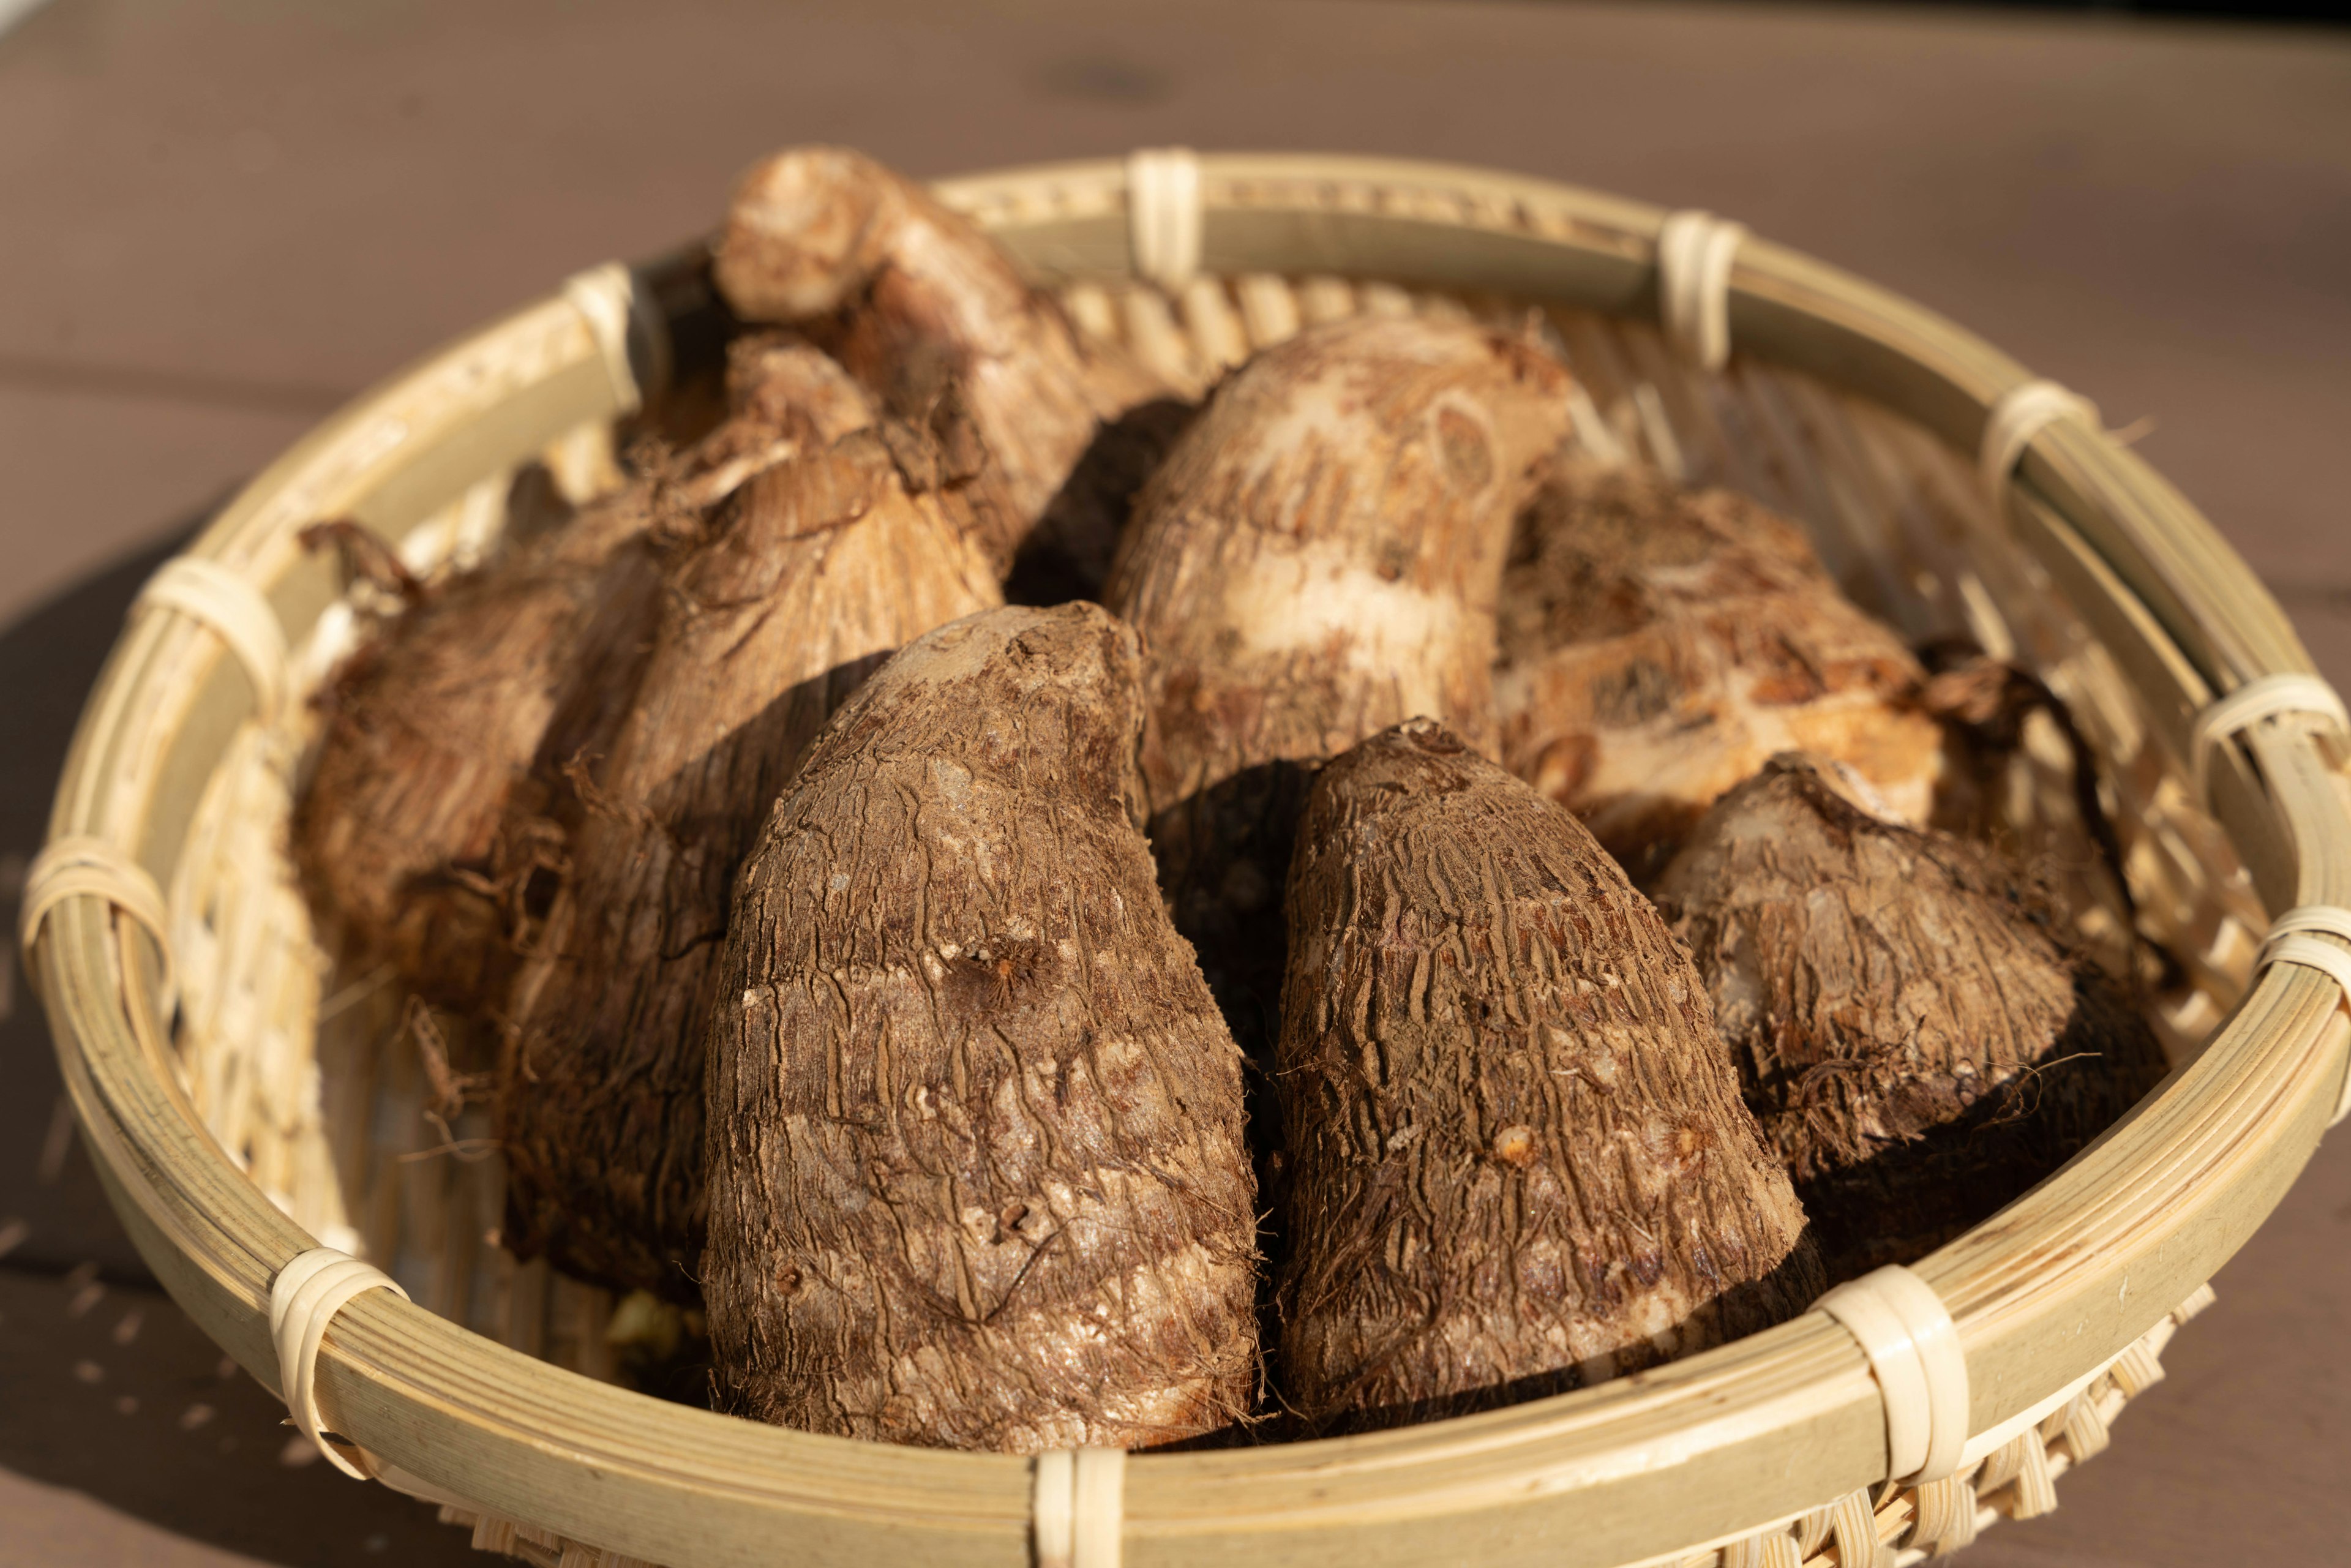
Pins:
x,y
819,561
1519,1158
1993,788
1918,1043
976,1166
1317,559
933,319
451,727
1659,643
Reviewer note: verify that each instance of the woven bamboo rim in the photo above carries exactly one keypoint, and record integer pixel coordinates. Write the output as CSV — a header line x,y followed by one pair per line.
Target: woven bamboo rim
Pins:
x,y
2053,1300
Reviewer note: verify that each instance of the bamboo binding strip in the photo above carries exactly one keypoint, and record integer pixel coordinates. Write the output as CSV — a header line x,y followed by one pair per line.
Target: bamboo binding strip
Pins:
x,y
81,865
607,300
1694,255
2293,939
303,1299
2023,412
1922,1375
1163,213
2270,696
227,604
1079,1507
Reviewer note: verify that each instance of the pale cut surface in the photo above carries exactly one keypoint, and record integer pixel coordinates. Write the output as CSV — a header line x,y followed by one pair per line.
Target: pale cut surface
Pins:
x,y
1519,1158
819,559
978,1172
1318,559
1659,643
1919,1045
934,320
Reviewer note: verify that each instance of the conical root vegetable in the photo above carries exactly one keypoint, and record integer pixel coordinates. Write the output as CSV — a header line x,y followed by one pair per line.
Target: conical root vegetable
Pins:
x,y
1519,1158
1918,1042
976,1165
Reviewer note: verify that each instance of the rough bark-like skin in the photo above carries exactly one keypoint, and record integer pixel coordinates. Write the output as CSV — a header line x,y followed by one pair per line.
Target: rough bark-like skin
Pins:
x,y
923,309
1658,645
818,561
977,1174
1317,559
1519,1162
453,722
1917,1044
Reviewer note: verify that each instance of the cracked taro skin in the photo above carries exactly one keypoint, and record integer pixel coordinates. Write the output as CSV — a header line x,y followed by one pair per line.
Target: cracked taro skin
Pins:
x,y
977,1170
1519,1163
1918,1041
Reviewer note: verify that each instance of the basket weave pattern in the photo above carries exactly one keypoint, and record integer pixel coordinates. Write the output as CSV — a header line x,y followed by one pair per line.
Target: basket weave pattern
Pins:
x,y
305,1074
340,1137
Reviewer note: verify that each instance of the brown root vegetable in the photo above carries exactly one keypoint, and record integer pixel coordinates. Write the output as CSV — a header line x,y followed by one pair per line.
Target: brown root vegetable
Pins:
x,y
1918,1043
1658,645
932,317
2006,732
976,1165
1317,559
1519,1160
451,727
818,561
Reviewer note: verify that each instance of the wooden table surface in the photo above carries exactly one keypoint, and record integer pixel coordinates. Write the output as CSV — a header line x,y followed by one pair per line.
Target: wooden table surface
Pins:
x,y
216,223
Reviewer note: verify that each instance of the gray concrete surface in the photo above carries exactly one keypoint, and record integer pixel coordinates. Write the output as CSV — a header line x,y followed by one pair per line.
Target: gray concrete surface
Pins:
x,y
217,222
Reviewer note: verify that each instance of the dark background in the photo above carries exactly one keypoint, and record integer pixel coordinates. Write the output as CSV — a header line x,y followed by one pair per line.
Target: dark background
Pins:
x,y
2277,11
218,222
2273,10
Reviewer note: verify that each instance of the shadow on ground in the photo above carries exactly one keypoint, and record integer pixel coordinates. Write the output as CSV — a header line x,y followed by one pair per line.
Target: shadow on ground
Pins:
x,y
50,659
105,1388
111,1392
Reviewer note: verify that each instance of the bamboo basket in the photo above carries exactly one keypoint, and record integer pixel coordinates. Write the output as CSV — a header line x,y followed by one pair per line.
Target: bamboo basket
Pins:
x,y
249,1097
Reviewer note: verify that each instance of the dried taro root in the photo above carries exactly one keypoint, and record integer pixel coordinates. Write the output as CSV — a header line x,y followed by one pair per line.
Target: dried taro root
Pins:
x,y
1918,1042
1318,560
448,733
933,319
976,1166
1658,645
1520,1161
818,561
